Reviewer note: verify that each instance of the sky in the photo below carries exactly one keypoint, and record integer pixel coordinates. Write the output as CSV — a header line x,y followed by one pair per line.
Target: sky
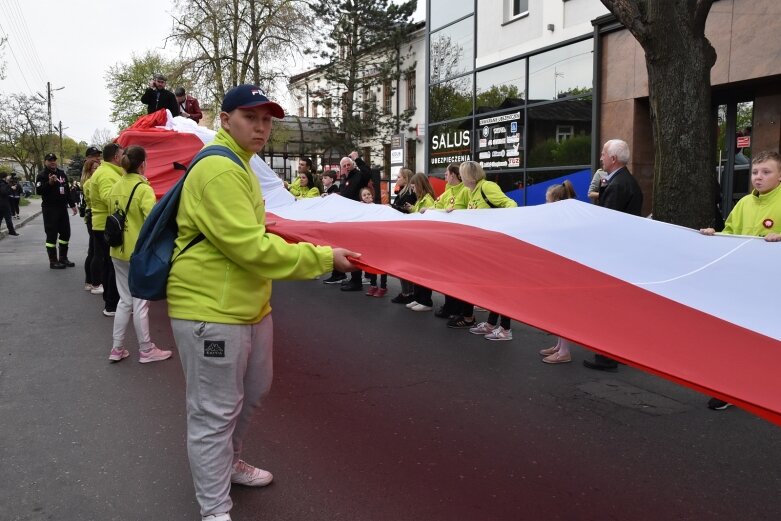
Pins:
x,y
72,43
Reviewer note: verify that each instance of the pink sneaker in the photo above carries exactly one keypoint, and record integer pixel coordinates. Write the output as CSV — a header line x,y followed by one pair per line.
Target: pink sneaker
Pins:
x,y
380,292
372,291
245,474
118,353
153,354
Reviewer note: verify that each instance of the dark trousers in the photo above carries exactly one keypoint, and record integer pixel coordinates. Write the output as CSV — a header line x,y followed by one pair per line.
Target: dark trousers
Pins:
x,y
56,225
423,295
5,213
102,258
383,279
503,320
356,278
91,277
453,306
14,206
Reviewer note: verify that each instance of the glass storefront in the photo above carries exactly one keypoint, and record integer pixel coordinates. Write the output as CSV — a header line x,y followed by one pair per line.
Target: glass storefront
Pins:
x,y
531,122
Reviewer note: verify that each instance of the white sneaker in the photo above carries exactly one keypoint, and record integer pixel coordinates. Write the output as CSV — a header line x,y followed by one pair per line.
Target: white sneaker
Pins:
x,y
107,313
500,334
245,474
412,304
421,307
88,287
153,354
96,290
483,328
217,517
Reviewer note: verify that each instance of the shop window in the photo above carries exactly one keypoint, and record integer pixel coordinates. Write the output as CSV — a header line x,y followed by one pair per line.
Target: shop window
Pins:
x,y
546,144
449,143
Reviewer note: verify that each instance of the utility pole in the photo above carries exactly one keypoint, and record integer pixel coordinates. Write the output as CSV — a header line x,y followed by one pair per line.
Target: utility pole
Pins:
x,y
49,92
60,129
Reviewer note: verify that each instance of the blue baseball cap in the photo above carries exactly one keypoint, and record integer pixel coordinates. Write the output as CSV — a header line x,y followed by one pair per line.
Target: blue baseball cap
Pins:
x,y
247,96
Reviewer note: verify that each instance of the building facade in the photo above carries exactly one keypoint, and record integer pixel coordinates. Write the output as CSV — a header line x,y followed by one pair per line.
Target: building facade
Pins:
x,y
531,88
315,98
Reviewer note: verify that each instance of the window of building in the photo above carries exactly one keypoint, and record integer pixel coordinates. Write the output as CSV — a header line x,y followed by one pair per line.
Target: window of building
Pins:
x,y
501,87
449,143
301,111
314,109
410,158
445,11
564,132
387,98
411,91
327,110
451,99
452,51
563,72
517,8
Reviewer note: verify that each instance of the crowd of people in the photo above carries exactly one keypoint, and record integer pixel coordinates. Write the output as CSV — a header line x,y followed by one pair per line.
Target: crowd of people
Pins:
x,y
219,290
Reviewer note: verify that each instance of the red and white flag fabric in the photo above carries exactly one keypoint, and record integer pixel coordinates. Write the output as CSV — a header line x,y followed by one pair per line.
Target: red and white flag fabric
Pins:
x,y
701,311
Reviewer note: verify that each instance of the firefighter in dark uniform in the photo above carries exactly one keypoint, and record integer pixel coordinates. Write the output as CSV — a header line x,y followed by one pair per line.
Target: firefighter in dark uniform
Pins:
x,y
52,185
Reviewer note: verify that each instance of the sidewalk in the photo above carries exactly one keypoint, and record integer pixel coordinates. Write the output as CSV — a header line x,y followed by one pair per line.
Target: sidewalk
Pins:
x,y
26,214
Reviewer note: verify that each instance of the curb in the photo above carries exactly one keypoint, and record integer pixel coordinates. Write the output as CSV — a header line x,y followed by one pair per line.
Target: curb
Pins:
x,y
22,222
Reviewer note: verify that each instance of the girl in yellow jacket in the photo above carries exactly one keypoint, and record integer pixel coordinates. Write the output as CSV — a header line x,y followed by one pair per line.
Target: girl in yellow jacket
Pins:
x,y
306,186
421,187
143,199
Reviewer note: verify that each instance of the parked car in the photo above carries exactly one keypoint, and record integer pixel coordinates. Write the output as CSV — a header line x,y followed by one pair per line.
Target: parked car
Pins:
x,y
27,188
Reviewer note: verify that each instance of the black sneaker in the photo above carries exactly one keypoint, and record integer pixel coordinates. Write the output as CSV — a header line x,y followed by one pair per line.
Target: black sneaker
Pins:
x,y
460,322
67,262
333,280
56,266
352,287
402,299
718,405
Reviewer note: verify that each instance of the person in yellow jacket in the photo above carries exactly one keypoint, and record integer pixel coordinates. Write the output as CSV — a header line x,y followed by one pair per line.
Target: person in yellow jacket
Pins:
x,y
421,187
143,199
482,194
92,280
455,196
306,186
103,180
218,298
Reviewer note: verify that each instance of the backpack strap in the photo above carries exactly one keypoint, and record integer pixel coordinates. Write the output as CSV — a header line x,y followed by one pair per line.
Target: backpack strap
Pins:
x,y
211,150
488,201
127,206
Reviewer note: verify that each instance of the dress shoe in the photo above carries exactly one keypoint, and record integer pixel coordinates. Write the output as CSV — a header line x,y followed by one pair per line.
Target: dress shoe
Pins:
x,y
56,265
549,351
601,366
67,262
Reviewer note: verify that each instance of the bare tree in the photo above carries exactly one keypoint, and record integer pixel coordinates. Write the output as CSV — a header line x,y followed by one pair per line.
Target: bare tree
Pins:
x,y
102,137
678,58
231,42
23,132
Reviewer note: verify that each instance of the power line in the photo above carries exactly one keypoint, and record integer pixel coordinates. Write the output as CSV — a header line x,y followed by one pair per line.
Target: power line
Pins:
x,y
10,47
36,57
26,47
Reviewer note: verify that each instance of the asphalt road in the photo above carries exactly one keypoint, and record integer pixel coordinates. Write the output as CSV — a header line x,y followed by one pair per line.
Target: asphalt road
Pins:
x,y
377,413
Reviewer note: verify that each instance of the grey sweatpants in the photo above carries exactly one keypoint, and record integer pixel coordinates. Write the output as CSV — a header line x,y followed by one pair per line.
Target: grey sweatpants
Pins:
x,y
228,368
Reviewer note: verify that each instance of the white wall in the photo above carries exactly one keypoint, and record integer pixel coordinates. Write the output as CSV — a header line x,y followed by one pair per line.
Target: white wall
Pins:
x,y
497,40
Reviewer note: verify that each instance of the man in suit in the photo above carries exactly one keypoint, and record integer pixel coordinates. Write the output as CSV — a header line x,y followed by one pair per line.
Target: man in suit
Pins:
x,y
618,191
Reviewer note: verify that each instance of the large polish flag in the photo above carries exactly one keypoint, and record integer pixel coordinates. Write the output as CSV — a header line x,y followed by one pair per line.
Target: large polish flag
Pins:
x,y
701,311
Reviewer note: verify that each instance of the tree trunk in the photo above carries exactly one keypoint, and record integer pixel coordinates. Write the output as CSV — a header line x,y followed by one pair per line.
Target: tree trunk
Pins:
x,y
678,58
680,101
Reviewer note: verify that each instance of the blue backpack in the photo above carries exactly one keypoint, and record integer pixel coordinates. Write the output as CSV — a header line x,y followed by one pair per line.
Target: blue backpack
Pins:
x,y
151,260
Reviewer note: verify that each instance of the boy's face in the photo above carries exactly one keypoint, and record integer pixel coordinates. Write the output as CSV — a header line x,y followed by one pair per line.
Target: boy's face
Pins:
x,y
765,176
250,127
